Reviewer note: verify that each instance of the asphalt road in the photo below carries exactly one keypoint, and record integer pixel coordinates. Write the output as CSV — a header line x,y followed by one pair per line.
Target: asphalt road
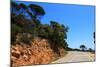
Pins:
x,y
76,56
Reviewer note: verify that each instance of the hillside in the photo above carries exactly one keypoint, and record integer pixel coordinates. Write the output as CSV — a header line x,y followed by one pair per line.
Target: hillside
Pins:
x,y
33,42
40,52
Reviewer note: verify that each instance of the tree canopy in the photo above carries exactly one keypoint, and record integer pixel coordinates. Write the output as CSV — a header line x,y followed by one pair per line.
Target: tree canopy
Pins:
x,y
82,47
21,24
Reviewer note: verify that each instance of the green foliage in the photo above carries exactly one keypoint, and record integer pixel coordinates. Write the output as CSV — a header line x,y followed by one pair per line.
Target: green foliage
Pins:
x,y
14,31
38,10
14,7
55,32
90,50
59,34
24,38
94,37
82,47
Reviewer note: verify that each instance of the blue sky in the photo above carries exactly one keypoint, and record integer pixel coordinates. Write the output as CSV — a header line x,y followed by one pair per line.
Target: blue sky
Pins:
x,y
79,18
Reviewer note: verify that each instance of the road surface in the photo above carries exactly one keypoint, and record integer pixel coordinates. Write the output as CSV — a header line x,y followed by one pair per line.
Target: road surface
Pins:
x,y
76,56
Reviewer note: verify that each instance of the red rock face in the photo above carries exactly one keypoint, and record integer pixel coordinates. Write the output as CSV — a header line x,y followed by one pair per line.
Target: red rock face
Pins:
x,y
37,53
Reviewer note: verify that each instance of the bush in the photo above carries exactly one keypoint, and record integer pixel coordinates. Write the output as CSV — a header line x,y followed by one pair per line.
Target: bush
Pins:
x,y
22,26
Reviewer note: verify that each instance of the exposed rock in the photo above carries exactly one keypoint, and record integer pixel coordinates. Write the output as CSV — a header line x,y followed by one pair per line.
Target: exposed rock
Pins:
x,y
39,52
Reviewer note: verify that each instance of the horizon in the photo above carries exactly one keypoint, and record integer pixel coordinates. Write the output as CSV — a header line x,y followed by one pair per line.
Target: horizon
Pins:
x,y
79,18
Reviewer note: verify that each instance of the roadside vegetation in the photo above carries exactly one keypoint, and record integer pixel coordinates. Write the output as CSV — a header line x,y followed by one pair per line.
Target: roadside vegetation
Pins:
x,y
26,25
33,42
